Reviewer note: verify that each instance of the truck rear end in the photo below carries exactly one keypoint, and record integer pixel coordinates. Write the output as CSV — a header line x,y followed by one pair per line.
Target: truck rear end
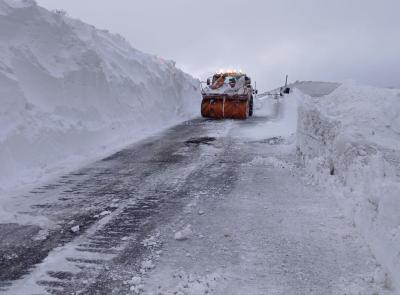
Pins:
x,y
228,95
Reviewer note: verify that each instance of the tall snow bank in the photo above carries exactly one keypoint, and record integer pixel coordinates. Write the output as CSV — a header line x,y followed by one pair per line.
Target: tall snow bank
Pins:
x,y
350,141
69,92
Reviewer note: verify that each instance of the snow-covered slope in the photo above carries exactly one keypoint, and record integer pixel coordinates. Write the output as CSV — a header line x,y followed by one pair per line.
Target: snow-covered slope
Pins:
x,y
350,142
70,92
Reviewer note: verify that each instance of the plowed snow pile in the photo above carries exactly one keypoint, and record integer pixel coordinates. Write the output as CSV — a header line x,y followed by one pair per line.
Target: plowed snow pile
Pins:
x,y
70,92
350,141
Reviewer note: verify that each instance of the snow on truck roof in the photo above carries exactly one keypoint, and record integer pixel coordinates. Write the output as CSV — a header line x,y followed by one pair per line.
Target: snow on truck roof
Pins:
x,y
230,73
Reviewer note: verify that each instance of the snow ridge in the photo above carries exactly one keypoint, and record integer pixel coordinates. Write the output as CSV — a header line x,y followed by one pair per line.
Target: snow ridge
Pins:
x,y
70,92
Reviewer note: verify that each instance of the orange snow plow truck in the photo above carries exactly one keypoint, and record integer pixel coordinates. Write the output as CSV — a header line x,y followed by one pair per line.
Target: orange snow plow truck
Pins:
x,y
228,95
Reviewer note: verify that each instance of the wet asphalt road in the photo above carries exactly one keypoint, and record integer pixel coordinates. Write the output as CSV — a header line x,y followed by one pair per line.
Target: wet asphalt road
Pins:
x,y
117,202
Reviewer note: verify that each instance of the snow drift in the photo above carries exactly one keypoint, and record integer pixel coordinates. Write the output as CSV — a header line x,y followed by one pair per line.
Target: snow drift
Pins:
x,y
350,142
69,92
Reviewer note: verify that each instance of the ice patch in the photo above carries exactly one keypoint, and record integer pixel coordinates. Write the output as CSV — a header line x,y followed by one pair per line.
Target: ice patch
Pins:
x,y
183,234
75,229
105,213
41,235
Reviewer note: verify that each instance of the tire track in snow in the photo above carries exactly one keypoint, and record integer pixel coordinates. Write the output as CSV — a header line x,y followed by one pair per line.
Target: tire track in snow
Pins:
x,y
139,177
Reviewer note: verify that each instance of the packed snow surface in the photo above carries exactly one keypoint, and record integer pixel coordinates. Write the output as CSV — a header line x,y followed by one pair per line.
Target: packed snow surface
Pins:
x,y
70,92
350,142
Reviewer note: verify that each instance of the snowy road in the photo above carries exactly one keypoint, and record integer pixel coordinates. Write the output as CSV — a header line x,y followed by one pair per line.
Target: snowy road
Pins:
x,y
199,209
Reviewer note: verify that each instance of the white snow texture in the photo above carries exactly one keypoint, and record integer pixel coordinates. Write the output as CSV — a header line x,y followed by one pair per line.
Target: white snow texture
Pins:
x,y
70,93
350,143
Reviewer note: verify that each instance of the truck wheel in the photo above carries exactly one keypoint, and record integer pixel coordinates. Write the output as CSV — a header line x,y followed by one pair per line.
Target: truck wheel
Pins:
x,y
251,107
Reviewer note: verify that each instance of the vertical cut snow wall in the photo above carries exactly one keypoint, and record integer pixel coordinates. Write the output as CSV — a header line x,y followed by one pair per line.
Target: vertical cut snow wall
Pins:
x,y
69,91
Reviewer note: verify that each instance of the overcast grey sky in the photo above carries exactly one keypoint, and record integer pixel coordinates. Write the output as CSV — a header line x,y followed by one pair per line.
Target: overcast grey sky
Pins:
x,y
330,40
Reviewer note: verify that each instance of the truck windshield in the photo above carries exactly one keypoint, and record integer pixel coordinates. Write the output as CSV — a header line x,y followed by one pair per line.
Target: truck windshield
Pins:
x,y
228,78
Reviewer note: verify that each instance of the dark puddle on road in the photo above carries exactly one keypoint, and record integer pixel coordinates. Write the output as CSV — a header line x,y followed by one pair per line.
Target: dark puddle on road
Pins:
x,y
200,140
274,140
277,140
